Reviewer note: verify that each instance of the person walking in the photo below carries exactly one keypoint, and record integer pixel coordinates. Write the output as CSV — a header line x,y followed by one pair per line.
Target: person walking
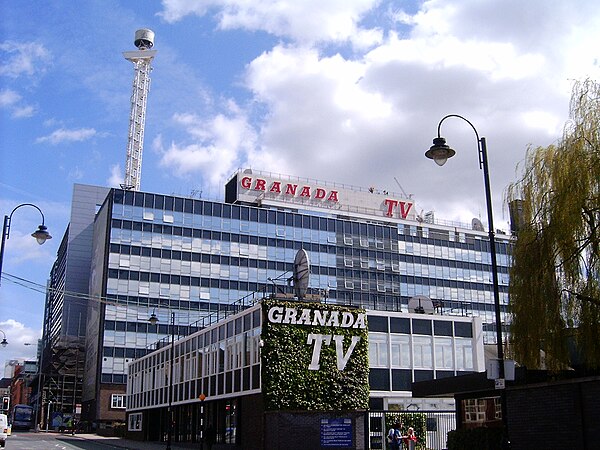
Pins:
x,y
394,436
410,439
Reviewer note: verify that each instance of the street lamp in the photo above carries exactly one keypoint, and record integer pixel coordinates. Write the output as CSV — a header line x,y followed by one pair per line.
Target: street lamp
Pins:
x,y
41,235
440,152
153,321
4,342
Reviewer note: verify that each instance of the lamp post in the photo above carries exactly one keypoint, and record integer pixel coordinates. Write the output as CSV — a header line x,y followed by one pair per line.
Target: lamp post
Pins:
x,y
41,234
4,342
440,152
153,321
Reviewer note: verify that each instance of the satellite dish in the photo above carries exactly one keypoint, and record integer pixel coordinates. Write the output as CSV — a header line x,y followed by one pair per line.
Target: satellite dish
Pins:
x,y
420,304
301,273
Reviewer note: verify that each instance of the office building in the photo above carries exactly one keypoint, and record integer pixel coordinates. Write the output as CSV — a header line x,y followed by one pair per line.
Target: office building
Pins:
x,y
154,254
255,369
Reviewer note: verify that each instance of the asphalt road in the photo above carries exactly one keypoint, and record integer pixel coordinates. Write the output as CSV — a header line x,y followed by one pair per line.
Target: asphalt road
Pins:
x,y
52,441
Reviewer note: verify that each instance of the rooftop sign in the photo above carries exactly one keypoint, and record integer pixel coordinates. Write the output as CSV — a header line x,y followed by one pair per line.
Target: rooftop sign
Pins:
x,y
266,189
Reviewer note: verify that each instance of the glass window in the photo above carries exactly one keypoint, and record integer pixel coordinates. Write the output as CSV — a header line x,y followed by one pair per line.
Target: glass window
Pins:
x,y
401,380
400,351
464,354
377,323
379,379
443,353
421,326
423,352
442,328
117,401
378,350
400,325
463,329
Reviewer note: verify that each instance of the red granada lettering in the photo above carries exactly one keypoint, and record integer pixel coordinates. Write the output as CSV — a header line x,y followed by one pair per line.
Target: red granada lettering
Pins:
x,y
246,181
333,196
276,187
320,193
291,189
404,209
305,191
260,184
390,206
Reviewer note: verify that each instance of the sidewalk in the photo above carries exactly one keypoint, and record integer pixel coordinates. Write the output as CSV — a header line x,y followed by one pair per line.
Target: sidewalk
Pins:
x,y
133,445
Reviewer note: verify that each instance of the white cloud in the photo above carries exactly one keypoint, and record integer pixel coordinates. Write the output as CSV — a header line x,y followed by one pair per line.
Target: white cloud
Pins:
x,y
8,97
214,145
22,340
23,58
365,117
116,176
11,101
303,21
23,111
63,135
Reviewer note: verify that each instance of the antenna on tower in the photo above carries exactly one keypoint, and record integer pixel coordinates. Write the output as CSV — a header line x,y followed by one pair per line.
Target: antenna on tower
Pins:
x,y
141,59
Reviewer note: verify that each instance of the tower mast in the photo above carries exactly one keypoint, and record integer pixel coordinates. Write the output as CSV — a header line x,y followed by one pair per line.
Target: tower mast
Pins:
x,y
141,59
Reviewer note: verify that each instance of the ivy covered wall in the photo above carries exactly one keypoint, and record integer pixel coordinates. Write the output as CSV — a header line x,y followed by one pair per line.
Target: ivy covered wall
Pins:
x,y
287,381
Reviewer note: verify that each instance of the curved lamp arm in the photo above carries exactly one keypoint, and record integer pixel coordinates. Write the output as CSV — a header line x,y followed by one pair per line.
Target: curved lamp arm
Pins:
x,y
41,235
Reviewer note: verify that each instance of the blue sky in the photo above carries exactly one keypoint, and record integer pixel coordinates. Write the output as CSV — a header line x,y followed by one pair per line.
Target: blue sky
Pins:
x,y
340,90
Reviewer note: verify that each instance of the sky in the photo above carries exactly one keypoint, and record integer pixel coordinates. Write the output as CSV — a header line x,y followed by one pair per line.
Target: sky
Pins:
x,y
349,91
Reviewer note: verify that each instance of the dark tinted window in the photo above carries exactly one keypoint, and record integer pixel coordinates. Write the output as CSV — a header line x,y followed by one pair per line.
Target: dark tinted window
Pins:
x,y
378,323
379,379
421,326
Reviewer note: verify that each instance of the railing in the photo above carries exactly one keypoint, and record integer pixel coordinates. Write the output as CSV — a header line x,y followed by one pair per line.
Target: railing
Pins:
x,y
431,427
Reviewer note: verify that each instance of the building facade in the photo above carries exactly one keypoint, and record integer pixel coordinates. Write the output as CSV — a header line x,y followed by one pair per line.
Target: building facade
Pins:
x,y
286,356
155,254
58,384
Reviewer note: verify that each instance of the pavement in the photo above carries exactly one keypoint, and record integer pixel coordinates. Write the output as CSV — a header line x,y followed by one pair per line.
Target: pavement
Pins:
x,y
135,445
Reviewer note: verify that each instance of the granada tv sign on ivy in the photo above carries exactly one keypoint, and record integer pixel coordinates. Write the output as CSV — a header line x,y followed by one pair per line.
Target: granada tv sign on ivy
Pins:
x,y
314,356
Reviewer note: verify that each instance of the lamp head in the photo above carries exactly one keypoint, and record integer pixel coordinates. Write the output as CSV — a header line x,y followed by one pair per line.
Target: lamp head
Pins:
x,y
41,235
153,319
4,342
440,151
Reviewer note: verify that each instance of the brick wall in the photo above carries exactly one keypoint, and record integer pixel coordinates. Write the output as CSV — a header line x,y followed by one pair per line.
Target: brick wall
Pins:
x,y
555,415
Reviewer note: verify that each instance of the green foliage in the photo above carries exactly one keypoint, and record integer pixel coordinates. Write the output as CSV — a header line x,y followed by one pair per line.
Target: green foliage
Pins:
x,y
555,275
416,420
479,438
287,384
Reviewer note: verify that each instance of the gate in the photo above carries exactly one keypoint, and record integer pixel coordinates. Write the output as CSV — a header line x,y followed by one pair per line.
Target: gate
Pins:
x,y
431,427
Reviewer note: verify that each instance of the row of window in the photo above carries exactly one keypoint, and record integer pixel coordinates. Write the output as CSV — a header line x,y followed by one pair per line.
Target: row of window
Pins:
x,y
420,352
191,211
361,258
246,379
402,379
227,284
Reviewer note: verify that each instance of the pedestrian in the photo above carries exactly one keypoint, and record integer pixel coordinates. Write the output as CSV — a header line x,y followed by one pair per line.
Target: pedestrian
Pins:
x,y
394,436
410,439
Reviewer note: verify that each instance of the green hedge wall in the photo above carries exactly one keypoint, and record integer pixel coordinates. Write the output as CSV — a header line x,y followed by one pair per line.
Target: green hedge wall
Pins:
x,y
288,384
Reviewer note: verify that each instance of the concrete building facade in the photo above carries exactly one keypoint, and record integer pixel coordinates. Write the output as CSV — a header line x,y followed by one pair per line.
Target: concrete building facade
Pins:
x,y
144,253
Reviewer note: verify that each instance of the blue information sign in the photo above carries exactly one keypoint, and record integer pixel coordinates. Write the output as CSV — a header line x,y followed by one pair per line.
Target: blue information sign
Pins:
x,y
336,432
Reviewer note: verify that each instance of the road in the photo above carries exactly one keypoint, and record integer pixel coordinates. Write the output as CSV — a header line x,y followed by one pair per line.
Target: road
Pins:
x,y
53,441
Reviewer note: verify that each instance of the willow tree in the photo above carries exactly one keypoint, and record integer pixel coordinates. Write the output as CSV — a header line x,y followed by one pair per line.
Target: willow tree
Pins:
x,y
555,276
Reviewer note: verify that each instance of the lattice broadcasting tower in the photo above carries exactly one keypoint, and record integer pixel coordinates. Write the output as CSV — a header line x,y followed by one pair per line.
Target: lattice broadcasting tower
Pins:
x,y
141,59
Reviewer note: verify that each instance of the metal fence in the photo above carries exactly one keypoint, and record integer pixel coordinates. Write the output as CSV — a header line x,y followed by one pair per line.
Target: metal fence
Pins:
x,y
435,427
